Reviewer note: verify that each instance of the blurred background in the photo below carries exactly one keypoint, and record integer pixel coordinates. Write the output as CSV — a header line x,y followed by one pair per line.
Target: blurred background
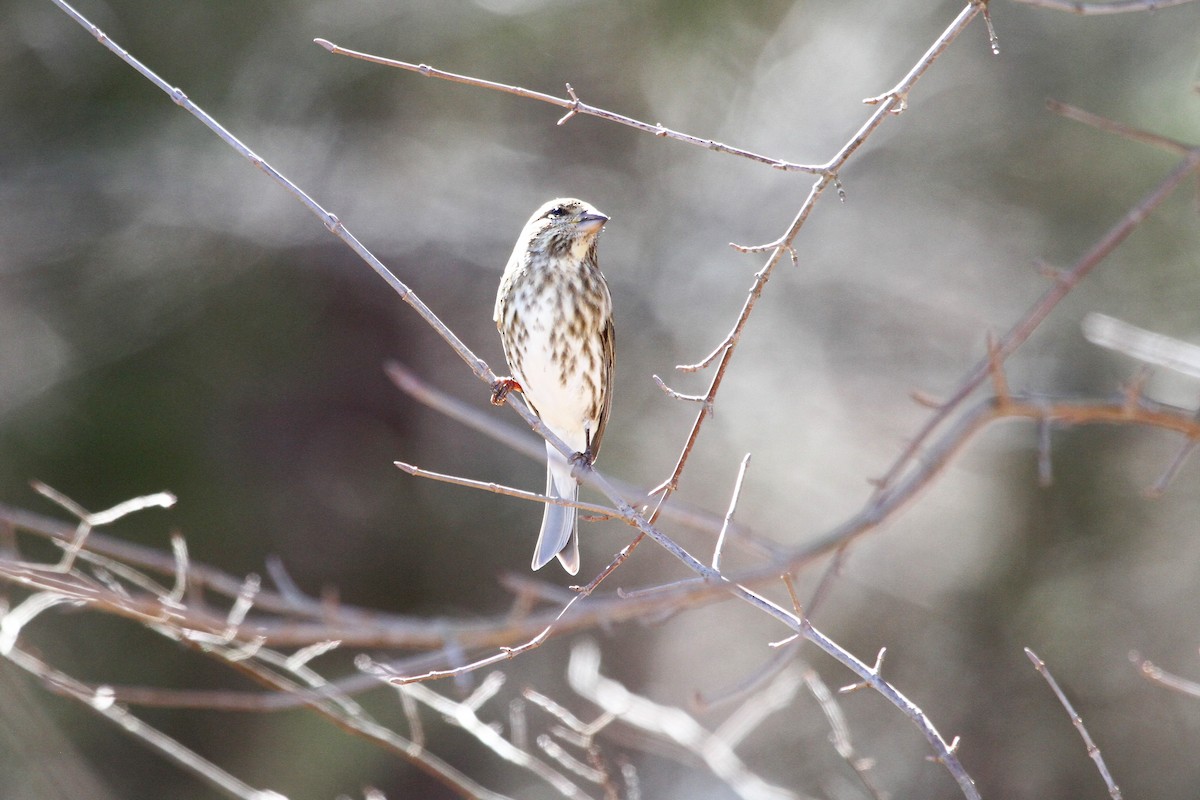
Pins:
x,y
170,319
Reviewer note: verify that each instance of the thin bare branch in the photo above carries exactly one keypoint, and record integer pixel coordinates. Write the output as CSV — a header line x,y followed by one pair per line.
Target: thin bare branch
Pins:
x,y
707,361
1077,721
1181,457
89,520
874,672
1112,126
389,675
574,106
499,488
763,248
733,501
1157,675
674,395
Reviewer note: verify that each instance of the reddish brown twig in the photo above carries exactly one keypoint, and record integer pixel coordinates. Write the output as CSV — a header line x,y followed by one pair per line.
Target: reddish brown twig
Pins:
x,y
574,106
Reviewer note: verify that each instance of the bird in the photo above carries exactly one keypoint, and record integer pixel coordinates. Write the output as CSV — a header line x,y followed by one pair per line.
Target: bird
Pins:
x,y
555,318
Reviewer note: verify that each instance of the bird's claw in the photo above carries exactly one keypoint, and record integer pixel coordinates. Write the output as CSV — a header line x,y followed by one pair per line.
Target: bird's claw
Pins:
x,y
579,461
501,388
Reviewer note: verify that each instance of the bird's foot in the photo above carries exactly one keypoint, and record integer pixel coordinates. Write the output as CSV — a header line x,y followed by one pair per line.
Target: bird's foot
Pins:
x,y
580,461
501,388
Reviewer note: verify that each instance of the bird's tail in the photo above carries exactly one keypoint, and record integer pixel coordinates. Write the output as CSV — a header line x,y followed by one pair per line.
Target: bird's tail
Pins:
x,y
560,526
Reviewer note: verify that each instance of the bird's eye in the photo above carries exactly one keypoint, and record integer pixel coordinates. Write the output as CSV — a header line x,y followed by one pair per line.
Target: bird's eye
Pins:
x,y
557,211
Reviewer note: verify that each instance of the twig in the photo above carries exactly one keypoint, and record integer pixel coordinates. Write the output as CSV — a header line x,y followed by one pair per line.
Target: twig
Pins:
x,y
1181,457
1077,721
705,362
733,501
881,508
89,520
472,416
874,672
180,551
574,106
825,585
674,395
14,620
996,370
389,675
1157,675
1112,126
499,488
769,246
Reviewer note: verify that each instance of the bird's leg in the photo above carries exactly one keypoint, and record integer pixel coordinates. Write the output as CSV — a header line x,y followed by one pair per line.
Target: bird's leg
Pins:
x,y
586,457
502,387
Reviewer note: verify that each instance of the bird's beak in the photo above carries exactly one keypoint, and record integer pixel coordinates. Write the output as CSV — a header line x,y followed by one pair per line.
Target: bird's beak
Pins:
x,y
590,222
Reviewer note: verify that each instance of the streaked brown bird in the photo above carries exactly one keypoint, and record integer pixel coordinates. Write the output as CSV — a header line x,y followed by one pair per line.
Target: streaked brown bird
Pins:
x,y
555,318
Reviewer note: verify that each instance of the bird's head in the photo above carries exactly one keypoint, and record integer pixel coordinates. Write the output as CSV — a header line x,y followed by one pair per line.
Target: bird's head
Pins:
x,y
564,226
